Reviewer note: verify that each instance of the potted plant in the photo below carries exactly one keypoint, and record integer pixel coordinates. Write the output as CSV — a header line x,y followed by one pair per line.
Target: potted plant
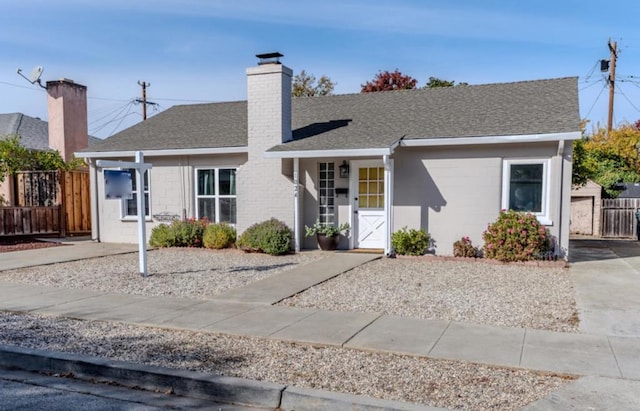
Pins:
x,y
326,233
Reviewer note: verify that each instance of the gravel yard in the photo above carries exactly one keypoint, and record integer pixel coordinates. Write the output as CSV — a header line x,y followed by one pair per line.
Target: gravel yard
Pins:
x,y
505,295
475,292
434,382
178,272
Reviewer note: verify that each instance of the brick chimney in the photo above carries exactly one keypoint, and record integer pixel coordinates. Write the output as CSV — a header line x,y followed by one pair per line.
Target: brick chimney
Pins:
x,y
67,107
264,184
269,103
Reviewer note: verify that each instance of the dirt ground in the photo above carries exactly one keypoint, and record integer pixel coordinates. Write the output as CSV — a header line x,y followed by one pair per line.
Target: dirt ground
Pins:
x,y
7,247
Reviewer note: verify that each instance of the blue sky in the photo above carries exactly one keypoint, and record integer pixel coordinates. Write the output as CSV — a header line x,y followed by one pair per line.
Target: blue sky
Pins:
x,y
198,50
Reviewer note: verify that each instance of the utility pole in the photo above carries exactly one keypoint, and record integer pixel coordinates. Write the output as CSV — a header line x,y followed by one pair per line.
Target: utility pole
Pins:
x,y
613,48
144,86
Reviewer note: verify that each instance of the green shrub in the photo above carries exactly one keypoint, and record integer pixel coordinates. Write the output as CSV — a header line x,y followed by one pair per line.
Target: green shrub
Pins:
x,y
162,236
464,248
515,237
271,237
410,242
218,236
188,233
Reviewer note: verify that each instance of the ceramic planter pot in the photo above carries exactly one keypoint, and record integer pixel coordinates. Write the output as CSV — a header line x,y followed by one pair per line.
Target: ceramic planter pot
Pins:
x,y
327,243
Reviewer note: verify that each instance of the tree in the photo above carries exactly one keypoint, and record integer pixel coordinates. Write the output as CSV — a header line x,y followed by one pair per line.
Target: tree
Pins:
x,y
15,157
389,80
436,82
305,85
608,158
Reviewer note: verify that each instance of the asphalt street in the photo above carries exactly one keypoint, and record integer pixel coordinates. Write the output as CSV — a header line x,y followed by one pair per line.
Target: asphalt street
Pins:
x,y
28,391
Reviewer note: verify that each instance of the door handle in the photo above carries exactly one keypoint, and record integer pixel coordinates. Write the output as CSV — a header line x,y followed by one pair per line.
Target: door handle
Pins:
x,y
355,211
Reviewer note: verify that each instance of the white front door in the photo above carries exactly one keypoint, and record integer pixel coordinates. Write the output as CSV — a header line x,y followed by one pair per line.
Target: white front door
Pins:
x,y
368,203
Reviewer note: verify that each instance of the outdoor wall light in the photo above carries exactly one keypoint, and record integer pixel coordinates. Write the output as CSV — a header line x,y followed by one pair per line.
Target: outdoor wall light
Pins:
x,y
344,169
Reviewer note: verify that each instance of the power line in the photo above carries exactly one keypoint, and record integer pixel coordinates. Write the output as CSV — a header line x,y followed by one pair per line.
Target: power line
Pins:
x,y
123,117
596,100
627,98
21,86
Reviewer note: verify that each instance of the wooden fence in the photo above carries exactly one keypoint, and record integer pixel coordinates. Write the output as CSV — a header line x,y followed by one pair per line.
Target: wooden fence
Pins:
x,y
51,202
619,217
16,221
76,201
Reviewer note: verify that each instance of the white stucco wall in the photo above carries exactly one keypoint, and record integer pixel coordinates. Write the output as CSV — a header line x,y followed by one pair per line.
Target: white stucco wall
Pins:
x,y
172,190
456,191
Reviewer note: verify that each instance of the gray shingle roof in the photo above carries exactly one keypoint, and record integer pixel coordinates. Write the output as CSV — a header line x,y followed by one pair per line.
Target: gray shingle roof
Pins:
x,y
371,120
188,126
33,132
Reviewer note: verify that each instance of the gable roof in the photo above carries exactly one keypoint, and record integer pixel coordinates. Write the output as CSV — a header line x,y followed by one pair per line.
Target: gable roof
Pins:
x,y
33,132
370,120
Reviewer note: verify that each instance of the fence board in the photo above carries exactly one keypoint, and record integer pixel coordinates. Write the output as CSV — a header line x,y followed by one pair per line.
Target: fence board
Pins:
x,y
619,217
77,201
29,220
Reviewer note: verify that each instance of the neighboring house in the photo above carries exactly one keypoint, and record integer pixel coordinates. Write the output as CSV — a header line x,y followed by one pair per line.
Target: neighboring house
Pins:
x,y
586,204
66,130
446,160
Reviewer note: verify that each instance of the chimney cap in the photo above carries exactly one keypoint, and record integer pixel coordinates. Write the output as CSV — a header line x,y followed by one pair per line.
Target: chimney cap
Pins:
x,y
269,58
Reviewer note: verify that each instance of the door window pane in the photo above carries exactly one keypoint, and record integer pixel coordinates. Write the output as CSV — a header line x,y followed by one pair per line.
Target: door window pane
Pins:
x,y
371,187
326,192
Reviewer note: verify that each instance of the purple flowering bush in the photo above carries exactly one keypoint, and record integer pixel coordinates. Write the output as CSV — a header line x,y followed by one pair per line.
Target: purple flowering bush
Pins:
x,y
464,248
515,236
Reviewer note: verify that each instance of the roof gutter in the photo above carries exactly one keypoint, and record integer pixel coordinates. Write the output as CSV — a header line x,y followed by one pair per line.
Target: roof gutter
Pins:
x,y
520,138
165,152
362,152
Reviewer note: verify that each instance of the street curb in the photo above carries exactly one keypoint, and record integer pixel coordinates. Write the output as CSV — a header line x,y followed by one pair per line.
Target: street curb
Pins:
x,y
231,390
302,399
185,383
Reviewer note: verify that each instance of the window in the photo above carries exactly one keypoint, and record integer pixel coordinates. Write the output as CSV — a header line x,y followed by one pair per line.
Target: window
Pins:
x,y
526,187
216,194
371,187
326,195
130,206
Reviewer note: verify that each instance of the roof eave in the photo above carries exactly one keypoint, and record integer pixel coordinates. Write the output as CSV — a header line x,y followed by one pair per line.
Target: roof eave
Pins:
x,y
355,152
163,152
505,139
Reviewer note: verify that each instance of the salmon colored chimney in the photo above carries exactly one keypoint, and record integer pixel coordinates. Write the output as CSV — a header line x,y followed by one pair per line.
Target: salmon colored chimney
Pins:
x,y
67,107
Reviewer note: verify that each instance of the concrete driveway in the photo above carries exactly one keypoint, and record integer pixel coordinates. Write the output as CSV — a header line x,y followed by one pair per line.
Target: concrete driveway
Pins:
x,y
606,274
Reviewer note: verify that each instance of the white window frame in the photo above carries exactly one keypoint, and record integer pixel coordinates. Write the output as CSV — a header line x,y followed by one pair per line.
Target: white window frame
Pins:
x,y
216,196
544,215
327,216
123,202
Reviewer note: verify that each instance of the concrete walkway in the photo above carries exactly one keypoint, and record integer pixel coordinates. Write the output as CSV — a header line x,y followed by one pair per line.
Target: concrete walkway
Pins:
x,y
607,287
71,250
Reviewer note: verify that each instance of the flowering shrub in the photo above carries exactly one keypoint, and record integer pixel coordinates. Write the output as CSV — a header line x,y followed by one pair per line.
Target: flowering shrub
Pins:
x,y
180,233
410,242
515,236
464,248
271,237
219,236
